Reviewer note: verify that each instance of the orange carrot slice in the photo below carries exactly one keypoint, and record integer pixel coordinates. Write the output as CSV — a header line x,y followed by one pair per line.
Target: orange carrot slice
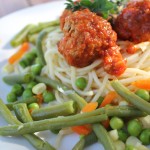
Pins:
x,y
40,98
105,123
90,107
108,98
15,57
84,129
142,84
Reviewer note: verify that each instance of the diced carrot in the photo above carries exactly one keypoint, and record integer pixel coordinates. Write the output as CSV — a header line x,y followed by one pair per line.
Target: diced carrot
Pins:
x,y
84,129
90,107
105,123
40,98
15,57
30,110
48,88
142,84
108,98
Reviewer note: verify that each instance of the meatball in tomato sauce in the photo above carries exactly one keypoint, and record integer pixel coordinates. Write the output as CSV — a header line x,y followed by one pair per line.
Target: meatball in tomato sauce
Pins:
x,y
88,37
133,23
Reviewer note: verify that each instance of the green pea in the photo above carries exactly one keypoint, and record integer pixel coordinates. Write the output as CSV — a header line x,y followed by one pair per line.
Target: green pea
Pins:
x,y
11,97
145,136
24,63
33,106
143,94
130,147
134,127
36,69
30,56
27,93
116,123
100,99
122,135
81,83
17,89
48,96
31,85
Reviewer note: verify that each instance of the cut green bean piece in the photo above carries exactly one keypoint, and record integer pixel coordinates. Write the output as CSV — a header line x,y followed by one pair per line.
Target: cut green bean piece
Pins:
x,y
7,115
50,124
79,145
18,79
44,25
27,101
39,46
32,38
131,97
103,136
63,109
21,36
63,89
23,114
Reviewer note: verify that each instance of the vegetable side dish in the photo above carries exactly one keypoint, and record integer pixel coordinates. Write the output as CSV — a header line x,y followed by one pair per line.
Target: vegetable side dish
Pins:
x,y
91,69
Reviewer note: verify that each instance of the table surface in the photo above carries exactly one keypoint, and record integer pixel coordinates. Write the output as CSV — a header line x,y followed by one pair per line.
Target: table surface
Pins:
x,y
9,6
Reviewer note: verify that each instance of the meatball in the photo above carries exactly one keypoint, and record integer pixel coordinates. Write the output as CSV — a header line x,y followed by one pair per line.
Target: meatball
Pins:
x,y
88,37
133,23
65,14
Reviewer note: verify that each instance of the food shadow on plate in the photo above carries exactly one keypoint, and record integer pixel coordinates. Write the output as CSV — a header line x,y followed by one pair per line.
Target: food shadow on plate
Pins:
x,y
15,142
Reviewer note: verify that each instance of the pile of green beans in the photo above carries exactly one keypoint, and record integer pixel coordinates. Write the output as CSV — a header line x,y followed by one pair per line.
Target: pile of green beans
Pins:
x,y
96,116
30,32
38,143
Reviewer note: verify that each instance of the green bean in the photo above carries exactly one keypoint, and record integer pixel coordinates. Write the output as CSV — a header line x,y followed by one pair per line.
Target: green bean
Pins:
x,y
40,52
48,124
32,38
21,36
131,97
12,120
44,25
39,46
123,111
63,109
27,101
79,145
23,114
63,89
103,136
18,79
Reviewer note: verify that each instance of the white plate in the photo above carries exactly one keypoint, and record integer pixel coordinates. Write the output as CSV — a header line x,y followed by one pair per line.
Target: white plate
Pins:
x,y
9,26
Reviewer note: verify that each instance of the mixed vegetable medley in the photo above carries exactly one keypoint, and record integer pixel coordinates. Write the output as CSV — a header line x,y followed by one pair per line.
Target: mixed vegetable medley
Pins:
x,y
117,125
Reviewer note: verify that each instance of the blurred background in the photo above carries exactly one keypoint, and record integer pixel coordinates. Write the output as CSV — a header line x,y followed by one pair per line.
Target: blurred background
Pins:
x,y
9,6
